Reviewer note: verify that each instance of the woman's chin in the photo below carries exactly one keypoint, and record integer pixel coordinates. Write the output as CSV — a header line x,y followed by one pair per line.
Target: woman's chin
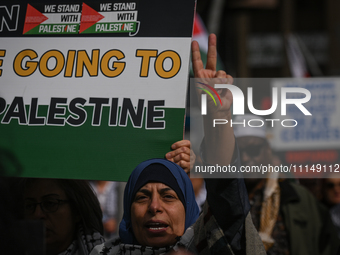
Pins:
x,y
160,242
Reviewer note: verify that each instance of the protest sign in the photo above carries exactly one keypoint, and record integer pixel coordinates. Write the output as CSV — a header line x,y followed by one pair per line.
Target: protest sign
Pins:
x,y
90,89
320,130
311,148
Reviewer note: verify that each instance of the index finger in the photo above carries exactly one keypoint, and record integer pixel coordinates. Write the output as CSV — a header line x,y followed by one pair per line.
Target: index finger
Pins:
x,y
197,63
181,143
212,53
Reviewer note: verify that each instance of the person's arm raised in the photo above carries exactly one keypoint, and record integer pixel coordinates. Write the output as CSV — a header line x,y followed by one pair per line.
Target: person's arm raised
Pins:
x,y
219,141
227,197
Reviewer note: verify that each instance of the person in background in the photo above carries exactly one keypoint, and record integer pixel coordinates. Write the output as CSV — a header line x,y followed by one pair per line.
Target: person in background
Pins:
x,y
106,192
331,197
288,217
200,191
9,243
69,210
199,186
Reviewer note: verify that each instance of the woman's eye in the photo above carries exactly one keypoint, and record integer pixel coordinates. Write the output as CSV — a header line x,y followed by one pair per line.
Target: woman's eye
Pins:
x,y
29,206
49,204
169,196
139,198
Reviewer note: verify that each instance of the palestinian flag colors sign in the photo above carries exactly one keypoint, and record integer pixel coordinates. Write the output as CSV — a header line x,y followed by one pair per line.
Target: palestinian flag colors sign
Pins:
x,y
81,18
89,90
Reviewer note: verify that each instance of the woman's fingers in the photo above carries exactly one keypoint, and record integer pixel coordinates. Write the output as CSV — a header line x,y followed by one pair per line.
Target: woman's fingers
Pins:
x,y
182,155
197,63
212,53
181,143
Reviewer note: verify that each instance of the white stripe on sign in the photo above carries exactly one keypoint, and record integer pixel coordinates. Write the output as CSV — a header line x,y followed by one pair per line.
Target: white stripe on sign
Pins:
x,y
62,18
118,16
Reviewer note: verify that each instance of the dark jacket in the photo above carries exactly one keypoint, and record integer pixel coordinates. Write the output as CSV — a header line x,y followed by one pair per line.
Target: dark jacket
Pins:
x,y
308,223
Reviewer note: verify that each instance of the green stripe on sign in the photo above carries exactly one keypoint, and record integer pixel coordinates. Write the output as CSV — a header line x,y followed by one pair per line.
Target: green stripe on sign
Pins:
x,y
54,29
117,27
88,152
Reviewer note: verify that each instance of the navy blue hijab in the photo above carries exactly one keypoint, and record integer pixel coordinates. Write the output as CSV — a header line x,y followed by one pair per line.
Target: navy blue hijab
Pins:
x,y
184,183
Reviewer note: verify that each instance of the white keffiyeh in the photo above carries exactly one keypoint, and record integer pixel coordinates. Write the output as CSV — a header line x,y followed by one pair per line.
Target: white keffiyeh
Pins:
x,y
84,243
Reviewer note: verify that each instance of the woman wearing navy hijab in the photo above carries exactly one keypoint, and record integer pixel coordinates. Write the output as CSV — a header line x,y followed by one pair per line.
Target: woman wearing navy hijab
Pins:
x,y
158,199
159,206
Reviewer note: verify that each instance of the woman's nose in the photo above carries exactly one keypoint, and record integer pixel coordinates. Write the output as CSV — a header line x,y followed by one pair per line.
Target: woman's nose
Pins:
x,y
155,205
39,213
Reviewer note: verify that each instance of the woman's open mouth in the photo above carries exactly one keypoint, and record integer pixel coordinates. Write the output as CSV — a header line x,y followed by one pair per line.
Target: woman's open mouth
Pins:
x,y
156,226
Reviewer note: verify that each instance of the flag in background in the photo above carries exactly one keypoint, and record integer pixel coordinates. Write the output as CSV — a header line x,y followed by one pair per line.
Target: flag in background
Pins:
x,y
297,62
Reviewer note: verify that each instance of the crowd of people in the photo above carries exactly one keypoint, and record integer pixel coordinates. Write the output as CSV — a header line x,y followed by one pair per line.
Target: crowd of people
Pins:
x,y
236,216
290,220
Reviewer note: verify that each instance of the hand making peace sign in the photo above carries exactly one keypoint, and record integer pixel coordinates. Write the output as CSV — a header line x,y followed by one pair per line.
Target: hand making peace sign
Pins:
x,y
210,72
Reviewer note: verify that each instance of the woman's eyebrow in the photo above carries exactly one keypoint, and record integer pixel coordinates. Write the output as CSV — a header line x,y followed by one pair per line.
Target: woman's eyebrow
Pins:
x,y
145,191
29,198
164,190
50,195
43,197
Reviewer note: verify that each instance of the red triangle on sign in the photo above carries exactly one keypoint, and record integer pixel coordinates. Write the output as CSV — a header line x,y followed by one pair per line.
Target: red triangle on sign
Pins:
x,y
89,17
33,18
